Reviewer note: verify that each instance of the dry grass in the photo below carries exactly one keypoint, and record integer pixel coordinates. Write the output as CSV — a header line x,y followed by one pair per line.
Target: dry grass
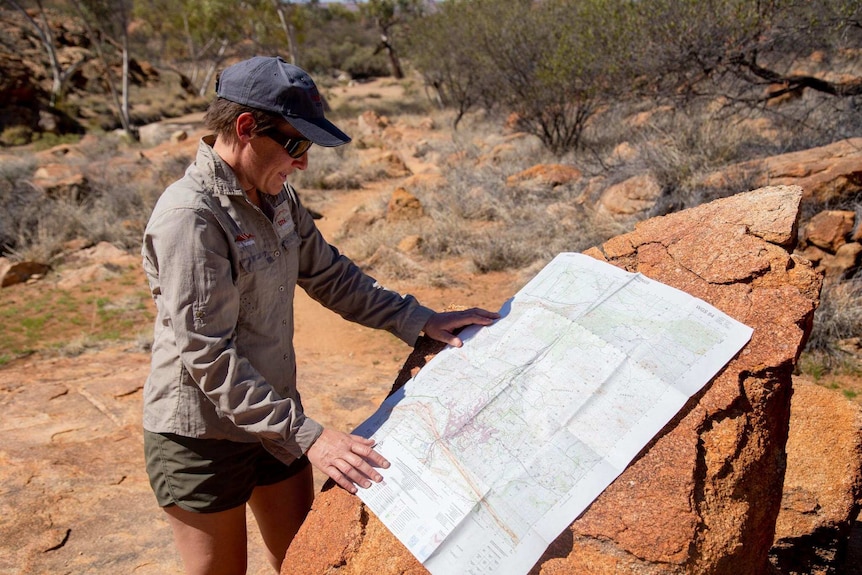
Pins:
x,y
837,321
475,216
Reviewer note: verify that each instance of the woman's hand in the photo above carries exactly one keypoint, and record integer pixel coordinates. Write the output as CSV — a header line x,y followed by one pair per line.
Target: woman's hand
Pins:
x,y
442,325
348,459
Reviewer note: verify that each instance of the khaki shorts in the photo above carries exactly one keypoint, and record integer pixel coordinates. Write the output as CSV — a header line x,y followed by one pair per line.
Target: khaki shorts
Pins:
x,y
210,475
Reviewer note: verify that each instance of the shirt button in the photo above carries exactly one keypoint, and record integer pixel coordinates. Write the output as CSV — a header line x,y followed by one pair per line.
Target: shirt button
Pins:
x,y
280,288
284,322
276,253
284,357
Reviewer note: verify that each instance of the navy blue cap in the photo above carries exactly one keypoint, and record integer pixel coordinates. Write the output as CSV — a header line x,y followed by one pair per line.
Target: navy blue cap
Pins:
x,y
273,85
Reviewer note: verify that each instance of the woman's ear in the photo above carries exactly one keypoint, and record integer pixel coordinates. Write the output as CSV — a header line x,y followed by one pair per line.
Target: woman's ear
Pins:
x,y
245,126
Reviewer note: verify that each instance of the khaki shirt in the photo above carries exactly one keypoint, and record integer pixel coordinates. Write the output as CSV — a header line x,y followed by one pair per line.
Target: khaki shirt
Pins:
x,y
222,273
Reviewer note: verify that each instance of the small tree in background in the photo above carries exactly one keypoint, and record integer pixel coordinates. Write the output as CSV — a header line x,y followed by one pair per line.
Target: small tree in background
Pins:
x,y
59,75
388,16
437,49
737,47
107,25
550,63
195,37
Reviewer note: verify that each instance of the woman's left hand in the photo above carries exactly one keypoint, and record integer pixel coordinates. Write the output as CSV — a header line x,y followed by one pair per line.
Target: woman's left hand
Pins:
x,y
441,325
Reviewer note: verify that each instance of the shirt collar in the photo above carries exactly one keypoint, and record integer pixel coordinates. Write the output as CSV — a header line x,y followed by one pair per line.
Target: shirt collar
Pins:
x,y
218,173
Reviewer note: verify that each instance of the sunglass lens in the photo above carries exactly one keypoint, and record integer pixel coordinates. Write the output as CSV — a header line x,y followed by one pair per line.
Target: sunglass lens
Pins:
x,y
296,148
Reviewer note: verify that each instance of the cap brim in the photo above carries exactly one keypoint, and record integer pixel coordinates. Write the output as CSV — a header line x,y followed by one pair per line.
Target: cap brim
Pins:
x,y
319,130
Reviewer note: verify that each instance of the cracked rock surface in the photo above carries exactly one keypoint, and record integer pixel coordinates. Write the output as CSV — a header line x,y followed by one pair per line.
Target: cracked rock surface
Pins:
x,y
704,495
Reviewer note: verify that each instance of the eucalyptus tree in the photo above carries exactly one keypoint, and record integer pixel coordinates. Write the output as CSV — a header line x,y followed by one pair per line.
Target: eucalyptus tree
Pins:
x,y
107,24
194,37
388,16
438,50
59,74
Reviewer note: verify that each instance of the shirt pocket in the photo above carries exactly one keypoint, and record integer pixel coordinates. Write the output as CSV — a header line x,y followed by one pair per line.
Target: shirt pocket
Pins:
x,y
255,279
252,259
290,242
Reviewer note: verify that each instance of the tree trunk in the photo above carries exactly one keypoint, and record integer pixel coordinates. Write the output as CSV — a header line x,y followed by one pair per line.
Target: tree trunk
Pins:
x,y
394,63
289,31
47,39
212,68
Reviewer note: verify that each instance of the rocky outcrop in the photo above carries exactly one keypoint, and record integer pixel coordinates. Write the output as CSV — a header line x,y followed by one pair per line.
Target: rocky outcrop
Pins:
x,y
704,496
12,273
26,80
822,485
828,241
827,174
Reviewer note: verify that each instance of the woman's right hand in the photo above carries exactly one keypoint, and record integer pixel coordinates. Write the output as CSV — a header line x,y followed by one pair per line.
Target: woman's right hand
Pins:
x,y
349,460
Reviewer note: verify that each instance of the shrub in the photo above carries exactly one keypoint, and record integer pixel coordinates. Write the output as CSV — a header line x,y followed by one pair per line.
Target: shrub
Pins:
x,y
683,148
35,225
839,316
16,136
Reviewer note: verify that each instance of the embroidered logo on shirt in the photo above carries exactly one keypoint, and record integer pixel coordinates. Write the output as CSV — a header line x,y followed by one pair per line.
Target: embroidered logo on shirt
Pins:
x,y
244,240
283,220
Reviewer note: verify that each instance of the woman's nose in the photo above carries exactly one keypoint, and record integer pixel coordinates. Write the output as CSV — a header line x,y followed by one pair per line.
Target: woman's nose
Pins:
x,y
301,162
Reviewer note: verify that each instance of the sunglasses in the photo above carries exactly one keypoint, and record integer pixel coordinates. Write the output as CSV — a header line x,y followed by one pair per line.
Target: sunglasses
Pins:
x,y
295,147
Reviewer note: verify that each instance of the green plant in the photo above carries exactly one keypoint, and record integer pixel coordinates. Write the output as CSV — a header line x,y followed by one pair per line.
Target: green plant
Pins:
x,y
17,135
47,140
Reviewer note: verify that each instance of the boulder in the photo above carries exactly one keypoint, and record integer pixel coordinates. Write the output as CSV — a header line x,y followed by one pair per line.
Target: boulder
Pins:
x,y
386,165
822,484
165,131
370,123
633,197
63,181
827,174
704,495
547,174
830,229
403,206
12,273
842,264
92,264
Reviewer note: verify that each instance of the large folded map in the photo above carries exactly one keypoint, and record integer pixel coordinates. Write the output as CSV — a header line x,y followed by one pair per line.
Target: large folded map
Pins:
x,y
497,446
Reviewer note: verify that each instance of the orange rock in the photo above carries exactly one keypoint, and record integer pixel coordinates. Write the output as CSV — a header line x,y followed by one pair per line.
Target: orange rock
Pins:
x,y
830,229
824,448
62,180
20,272
827,173
634,196
403,206
550,174
705,494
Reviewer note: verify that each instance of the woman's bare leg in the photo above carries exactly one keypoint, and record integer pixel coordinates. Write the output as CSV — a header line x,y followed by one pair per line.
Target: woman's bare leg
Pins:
x,y
210,543
280,509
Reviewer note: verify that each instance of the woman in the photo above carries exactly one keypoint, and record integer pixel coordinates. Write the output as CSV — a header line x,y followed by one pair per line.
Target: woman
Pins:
x,y
223,251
